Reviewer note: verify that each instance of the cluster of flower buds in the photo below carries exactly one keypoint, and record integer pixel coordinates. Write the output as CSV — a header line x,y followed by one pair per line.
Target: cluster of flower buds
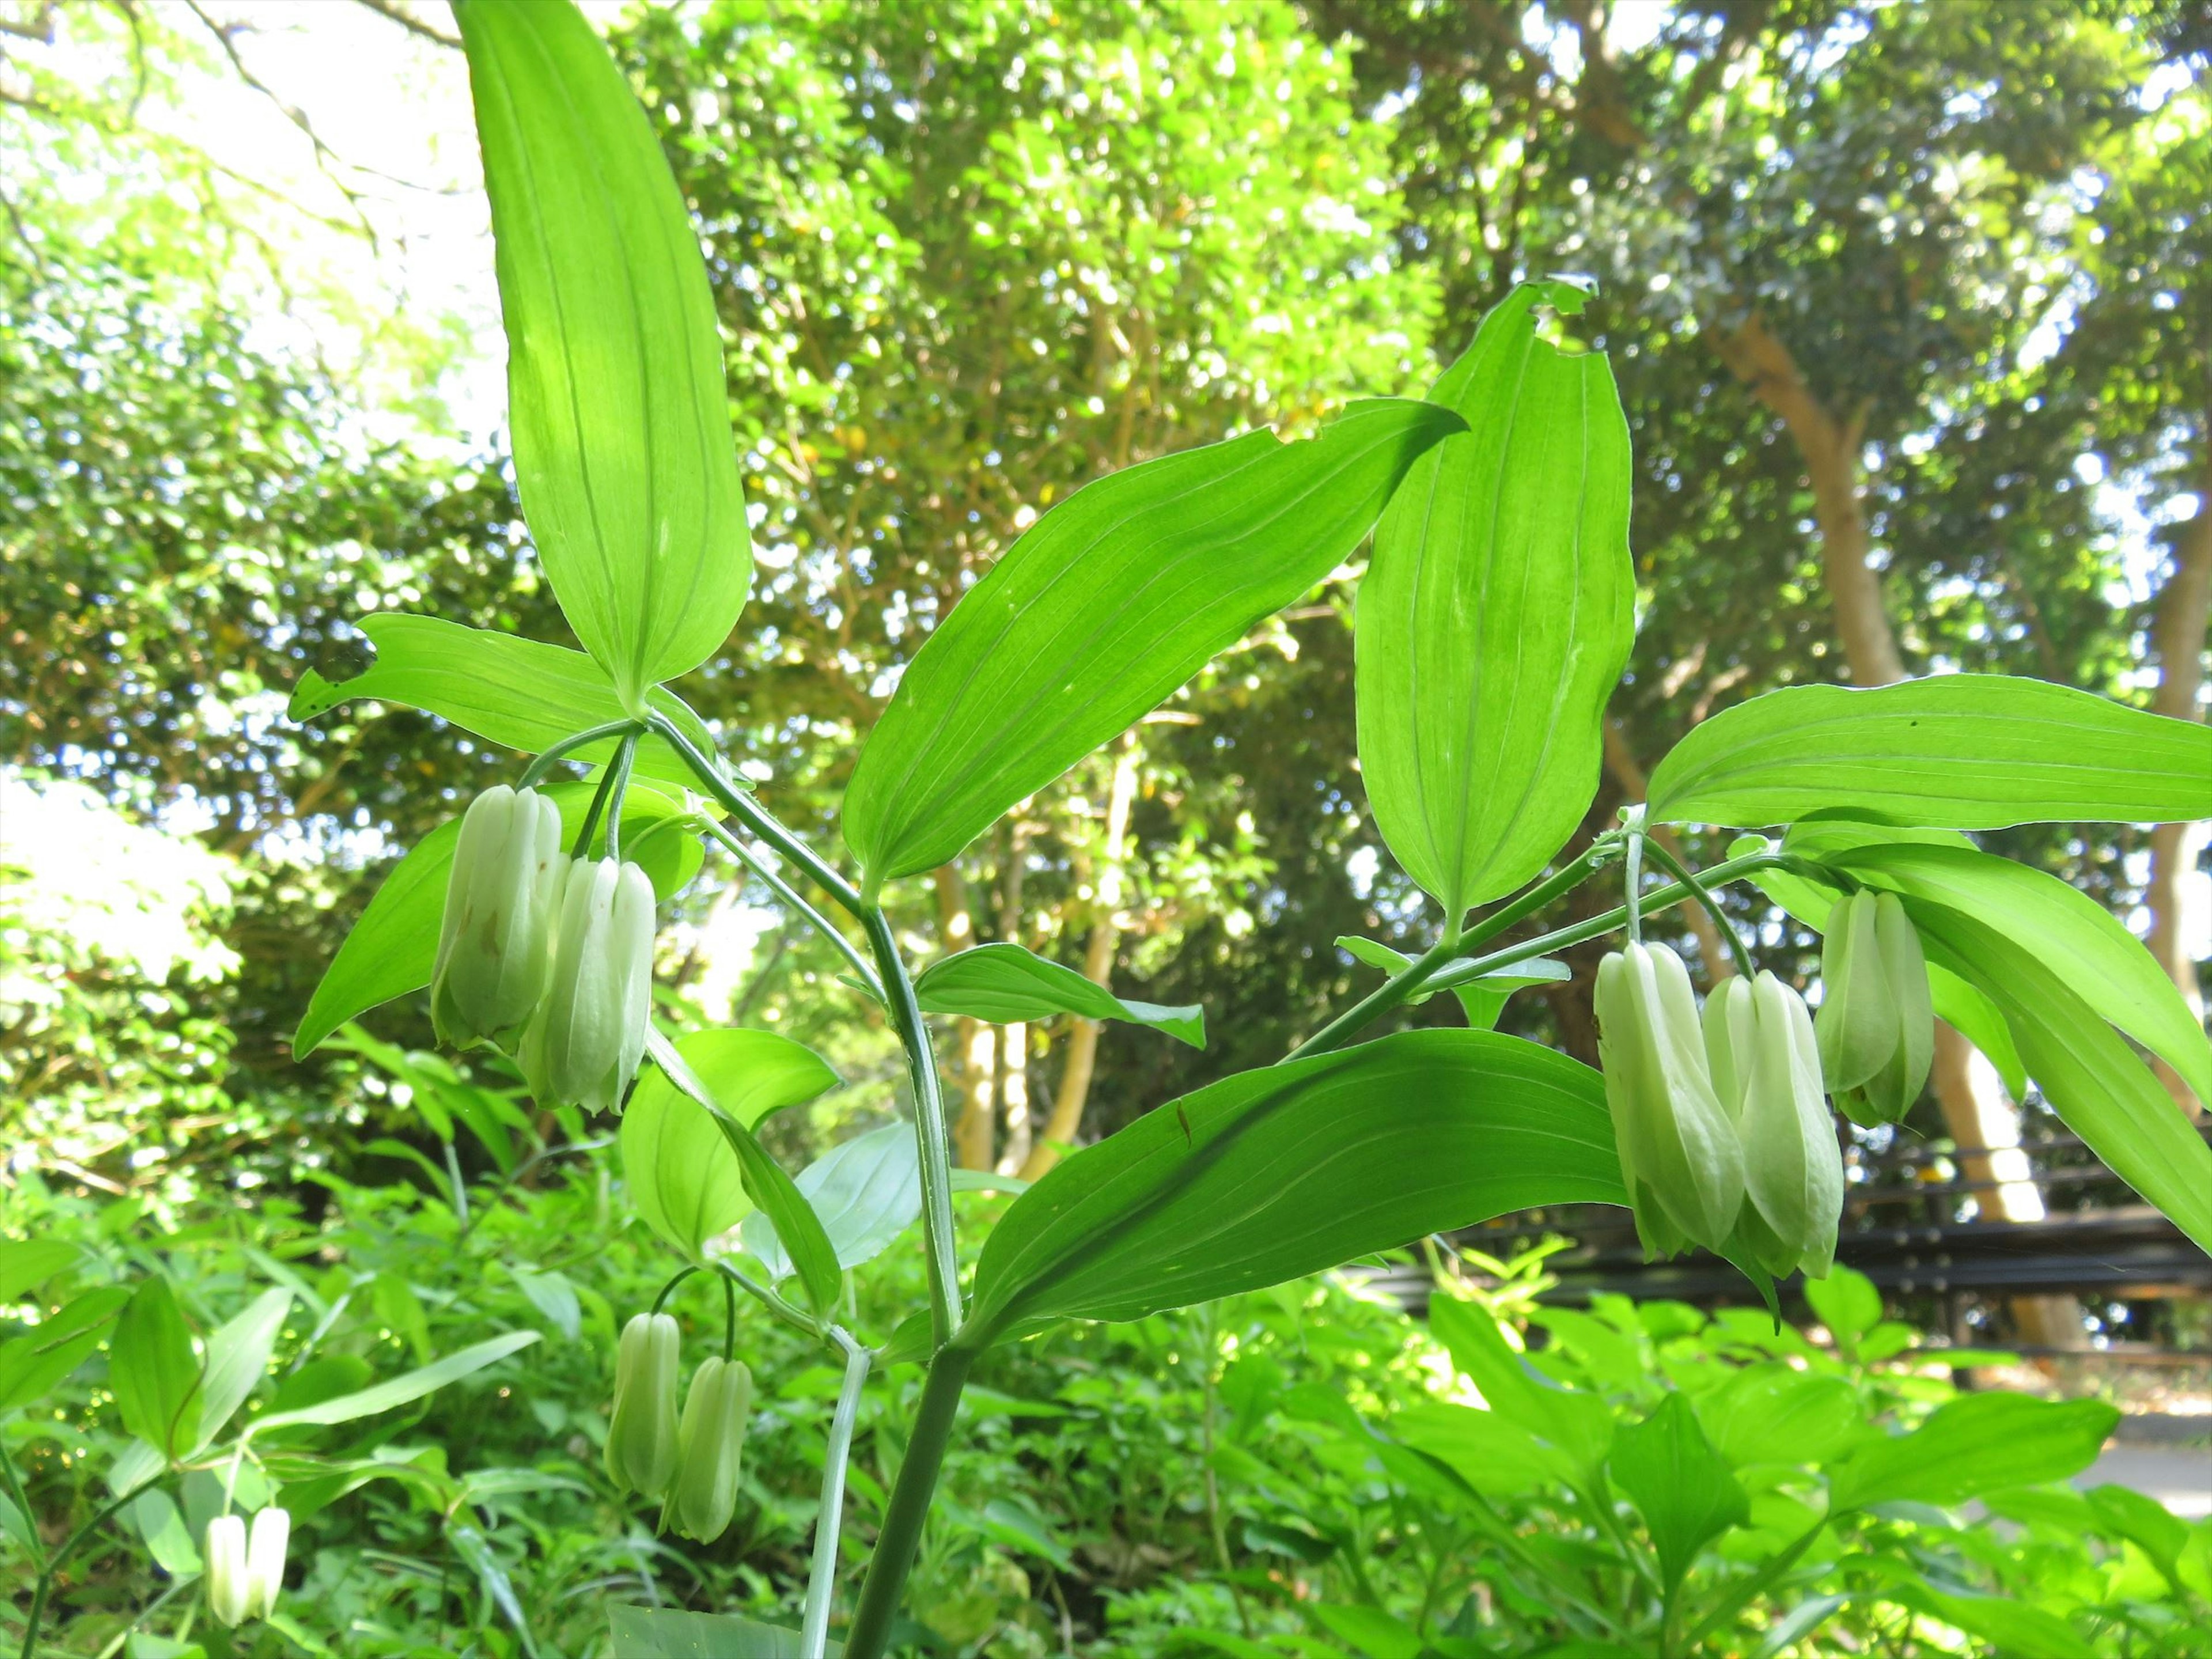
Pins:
x,y
1724,1141
558,951
244,1574
1877,1030
691,1462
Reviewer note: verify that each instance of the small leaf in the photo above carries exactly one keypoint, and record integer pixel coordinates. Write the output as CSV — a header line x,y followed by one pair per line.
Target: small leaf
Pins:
x,y
1963,751
1848,1303
1498,610
1976,1443
401,1390
394,945
156,1375
1376,1633
665,1633
168,1539
1678,1484
1270,1174
618,405
684,1177
1577,1424
1482,995
554,1295
237,1360
866,1191
1008,985
1106,605
1774,1414
521,694
28,1263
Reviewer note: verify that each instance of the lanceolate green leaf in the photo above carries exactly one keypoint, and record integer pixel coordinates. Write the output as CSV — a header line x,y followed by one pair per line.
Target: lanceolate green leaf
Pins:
x,y
521,694
866,1191
1111,601
155,1375
617,398
33,1361
1680,1485
404,1389
1965,751
1977,1444
1498,610
237,1360
1007,984
1273,1174
670,1633
2072,935
394,945
2086,1073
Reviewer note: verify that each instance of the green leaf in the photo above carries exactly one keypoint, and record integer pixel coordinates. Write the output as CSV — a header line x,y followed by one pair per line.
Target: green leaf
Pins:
x,y
617,398
1774,1414
1848,1304
1497,611
1976,1443
665,1633
156,1375
1978,1020
1576,1423
1270,1174
2011,1627
1678,1484
1486,1449
28,1263
237,1360
168,1539
1965,751
33,1362
2070,934
866,1192
2087,1074
1374,1633
521,694
1008,985
394,945
401,1390
766,1183
1106,605
1482,995
684,1177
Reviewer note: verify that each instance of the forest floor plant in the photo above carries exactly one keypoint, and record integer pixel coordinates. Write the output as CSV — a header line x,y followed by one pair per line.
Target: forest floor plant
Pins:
x,y
1494,618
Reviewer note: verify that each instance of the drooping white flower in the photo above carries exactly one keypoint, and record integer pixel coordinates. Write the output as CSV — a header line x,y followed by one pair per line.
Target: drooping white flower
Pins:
x,y
1877,1026
642,1436
495,945
583,1045
709,1449
246,1576
1766,1070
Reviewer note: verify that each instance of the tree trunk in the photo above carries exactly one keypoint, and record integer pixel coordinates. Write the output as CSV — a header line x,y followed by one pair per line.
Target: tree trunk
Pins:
x,y
1013,1040
1620,761
1975,1109
2177,634
975,1042
1082,1052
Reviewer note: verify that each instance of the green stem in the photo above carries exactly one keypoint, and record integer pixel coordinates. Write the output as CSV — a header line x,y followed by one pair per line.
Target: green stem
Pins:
x,y
928,1126
788,896
785,1312
22,1506
1736,947
77,1540
822,1581
592,813
1409,981
669,1289
1740,1596
755,817
625,757
901,1534
533,773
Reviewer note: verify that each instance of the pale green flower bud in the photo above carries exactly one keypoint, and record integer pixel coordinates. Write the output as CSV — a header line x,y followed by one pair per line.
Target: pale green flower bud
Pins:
x,y
1678,1154
642,1436
710,1447
243,1578
1877,1025
496,944
1767,1069
583,1043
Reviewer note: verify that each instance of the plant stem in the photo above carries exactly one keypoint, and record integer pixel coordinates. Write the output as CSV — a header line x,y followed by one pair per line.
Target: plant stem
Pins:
x,y
1407,981
822,1581
1740,1596
539,767
1737,948
583,844
22,1506
928,1126
669,1289
789,1313
757,818
789,897
625,757
901,1531
45,1584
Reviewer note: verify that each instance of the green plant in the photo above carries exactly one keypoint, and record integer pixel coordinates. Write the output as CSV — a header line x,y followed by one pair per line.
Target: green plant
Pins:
x,y
1496,613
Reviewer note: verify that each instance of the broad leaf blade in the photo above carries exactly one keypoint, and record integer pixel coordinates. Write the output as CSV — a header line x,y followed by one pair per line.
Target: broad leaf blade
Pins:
x,y
404,1389
1497,612
2087,1074
1576,1424
1008,985
1680,1485
1976,1443
1103,609
519,693
394,945
669,1633
155,1374
866,1191
237,1360
617,397
33,1361
1962,751
1271,1174
684,1177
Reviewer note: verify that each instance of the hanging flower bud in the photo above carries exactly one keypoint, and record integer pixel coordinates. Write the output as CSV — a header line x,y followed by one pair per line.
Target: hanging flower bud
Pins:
x,y
243,1578
1766,1070
1678,1155
583,1045
1877,1026
642,1436
494,947
709,1446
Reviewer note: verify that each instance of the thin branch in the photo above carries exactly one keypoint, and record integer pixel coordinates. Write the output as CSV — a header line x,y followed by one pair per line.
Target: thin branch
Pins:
x,y
408,21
